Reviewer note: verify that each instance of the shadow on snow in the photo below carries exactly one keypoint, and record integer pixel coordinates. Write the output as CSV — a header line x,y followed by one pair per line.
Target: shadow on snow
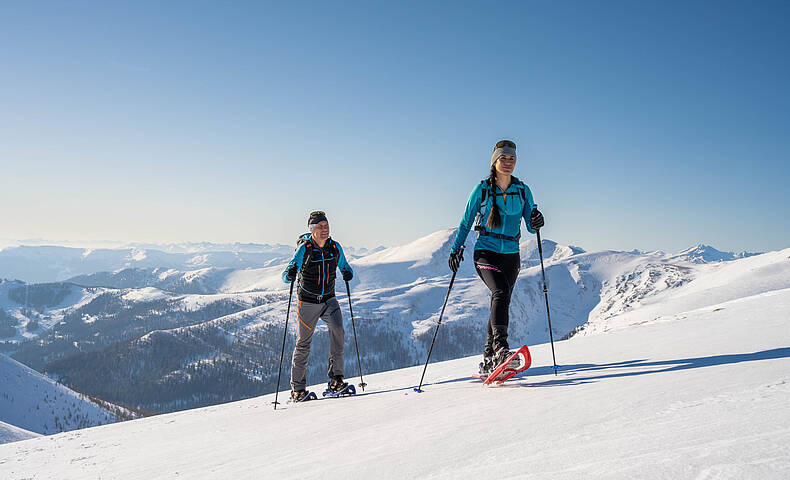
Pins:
x,y
644,367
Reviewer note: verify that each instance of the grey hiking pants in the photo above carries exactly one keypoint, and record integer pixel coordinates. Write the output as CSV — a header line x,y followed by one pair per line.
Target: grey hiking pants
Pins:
x,y
307,319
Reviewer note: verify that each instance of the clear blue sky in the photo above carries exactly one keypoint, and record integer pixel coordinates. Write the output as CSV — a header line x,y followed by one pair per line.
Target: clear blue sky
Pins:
x,y
651,125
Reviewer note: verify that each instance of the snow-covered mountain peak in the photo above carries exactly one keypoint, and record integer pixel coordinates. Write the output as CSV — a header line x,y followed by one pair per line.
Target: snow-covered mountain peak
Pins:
x,y
702,253
552,251
419,252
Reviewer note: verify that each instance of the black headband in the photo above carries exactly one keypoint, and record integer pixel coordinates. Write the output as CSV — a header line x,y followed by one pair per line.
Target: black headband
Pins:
x,y
316,217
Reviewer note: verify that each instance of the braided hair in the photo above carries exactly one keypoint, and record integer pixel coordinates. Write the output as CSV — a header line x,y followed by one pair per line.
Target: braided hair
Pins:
x,y
494,218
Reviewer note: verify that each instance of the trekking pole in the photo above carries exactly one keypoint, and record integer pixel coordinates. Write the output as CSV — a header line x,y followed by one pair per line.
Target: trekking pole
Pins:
x,y
546,294
282,352
359,364
452,280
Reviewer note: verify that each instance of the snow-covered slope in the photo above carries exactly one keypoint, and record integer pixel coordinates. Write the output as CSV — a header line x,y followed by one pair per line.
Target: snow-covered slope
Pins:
x,y
703,393
208,280
10,433
33,402
26,310
684,288
31,311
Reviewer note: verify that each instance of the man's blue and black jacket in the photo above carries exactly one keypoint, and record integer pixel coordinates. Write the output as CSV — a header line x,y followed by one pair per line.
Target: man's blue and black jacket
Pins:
x,y
317,268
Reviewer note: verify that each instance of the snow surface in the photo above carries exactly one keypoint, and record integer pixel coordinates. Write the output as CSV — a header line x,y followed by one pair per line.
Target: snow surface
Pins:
x,y
711,284
10,433
702,394
32,402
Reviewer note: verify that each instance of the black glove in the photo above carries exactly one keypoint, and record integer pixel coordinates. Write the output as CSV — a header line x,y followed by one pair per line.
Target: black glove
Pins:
x,y
455,259
347,275
291,275
536,219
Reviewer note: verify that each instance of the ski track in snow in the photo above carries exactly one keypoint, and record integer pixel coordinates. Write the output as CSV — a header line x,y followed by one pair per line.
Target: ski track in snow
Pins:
x,y
702,394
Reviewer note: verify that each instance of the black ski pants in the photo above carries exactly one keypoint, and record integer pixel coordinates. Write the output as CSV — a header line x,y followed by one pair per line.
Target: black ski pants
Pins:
x,y
499,272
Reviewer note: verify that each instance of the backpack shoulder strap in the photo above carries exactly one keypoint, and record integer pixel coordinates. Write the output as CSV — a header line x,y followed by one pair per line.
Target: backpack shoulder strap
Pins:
x,y
484,191
522,189
308,248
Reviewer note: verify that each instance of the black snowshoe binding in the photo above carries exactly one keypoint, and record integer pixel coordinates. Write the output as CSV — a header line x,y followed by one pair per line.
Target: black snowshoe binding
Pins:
x,y
502,356
338,388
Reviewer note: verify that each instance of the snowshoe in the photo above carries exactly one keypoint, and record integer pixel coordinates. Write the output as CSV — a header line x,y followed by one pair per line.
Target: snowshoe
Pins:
x,y
338,388
509,364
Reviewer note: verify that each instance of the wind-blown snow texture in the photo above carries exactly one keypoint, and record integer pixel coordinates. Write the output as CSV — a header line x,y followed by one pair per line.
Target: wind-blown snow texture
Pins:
x,y
702,393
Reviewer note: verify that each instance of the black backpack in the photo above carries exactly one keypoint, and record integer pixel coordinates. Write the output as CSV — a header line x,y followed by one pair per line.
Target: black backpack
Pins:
x,y
488,193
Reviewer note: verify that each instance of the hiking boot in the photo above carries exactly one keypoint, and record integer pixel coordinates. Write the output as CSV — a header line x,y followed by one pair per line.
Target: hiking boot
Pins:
x,y
336,384
487,365
298,395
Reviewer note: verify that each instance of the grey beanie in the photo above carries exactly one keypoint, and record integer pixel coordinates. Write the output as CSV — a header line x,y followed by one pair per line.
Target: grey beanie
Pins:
x,y
503,147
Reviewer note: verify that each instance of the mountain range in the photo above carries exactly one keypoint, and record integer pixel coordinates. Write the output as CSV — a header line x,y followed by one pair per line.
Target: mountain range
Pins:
x,y
54,263
162,339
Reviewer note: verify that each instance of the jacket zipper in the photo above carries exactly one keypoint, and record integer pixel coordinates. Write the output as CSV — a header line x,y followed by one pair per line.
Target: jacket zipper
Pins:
x,y
323,267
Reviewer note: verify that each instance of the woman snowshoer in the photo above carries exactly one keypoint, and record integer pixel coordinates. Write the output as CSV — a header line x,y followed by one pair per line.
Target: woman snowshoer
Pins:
x,y
495,208
315,261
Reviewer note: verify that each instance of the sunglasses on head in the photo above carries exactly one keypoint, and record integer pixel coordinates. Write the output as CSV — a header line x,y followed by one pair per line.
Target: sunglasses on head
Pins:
x,y
317,212
505,143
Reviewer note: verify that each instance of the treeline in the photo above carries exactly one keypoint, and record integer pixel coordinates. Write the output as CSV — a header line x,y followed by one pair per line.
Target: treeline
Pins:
x,y
41,295
7,324
156,356
108,320
198,366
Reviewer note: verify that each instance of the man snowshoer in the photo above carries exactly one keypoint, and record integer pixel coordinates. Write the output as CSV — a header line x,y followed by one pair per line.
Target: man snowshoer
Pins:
x,y
496,207
315,261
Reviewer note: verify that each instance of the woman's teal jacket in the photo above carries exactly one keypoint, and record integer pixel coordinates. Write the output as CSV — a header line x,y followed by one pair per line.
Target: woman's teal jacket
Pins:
x,y
504,239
